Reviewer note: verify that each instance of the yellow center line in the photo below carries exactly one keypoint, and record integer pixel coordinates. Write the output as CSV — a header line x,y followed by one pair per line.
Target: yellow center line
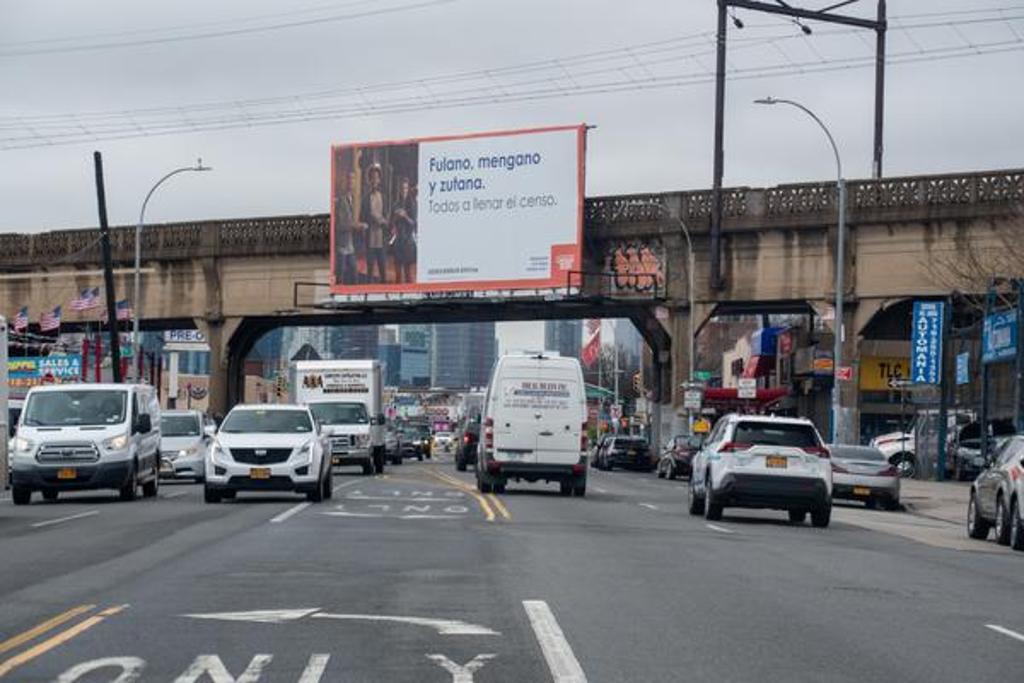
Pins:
x,y
50,643
481,501
496,502
42,628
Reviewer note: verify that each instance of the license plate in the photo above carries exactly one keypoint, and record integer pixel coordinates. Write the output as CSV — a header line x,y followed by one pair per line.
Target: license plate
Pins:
x,y
67,473
260,473
861,491
779,461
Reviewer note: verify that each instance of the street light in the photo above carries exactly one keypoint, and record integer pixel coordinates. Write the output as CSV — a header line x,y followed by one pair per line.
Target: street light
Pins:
x,y
840,262
137,305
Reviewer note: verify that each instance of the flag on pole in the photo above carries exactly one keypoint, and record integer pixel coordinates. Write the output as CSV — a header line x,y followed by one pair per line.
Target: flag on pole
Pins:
x,y
592,344
124,310
50,320
88,299
20,322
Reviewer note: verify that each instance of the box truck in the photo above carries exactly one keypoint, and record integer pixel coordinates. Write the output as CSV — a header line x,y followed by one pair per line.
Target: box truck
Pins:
x,y
345,397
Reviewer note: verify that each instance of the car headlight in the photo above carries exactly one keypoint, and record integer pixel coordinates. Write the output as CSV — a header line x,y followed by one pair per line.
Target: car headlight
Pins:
x,y
304,451
116,443
363,439
191,450
23,445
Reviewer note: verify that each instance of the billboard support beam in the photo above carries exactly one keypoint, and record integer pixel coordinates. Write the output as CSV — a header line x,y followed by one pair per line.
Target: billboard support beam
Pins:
x,y
108,269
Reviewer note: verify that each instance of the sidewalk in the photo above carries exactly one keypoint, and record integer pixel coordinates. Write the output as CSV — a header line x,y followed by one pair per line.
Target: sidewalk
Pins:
x,y
945,501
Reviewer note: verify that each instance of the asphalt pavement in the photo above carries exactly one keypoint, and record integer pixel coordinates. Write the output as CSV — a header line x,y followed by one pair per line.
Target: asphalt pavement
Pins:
x,y
413,576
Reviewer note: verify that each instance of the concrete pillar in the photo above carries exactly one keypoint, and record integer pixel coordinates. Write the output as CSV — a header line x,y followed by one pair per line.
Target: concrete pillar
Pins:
x,y
218,333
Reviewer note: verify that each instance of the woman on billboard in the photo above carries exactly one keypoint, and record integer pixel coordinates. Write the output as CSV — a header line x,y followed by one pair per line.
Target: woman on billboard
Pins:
x,y
403,231
373,212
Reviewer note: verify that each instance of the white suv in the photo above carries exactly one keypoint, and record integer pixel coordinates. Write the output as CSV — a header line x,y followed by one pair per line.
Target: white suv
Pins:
x,y
755,461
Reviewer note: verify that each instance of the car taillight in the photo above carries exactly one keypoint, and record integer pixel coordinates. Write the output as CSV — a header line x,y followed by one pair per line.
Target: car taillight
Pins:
x,y
489,433
818,451
839,468
578,469
734,446
466,439
890,471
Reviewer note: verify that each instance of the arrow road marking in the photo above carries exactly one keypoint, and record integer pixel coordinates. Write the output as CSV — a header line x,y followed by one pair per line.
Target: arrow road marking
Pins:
x,y
461,673
1006,632
446,627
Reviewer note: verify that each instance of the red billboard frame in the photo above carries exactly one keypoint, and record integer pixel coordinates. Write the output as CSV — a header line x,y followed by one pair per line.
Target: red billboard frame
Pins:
x,y
558,279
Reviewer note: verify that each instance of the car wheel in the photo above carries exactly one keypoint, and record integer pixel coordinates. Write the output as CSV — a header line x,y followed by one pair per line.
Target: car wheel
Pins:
x,y
199,480
871,503
661,472
696,504
151,487
317,494
906,465
460,464
210,495
1016,526
378,462
328,486
893,505
580,489
712,510
129,490
50,495
368,469
671,473
977,527
230,494
484,486
797,516
565,487
498,487
821,516
419,457
21,495
1002,525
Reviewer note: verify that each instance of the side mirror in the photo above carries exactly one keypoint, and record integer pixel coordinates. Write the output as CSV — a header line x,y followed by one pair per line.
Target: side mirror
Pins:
x,y
143,424
210,430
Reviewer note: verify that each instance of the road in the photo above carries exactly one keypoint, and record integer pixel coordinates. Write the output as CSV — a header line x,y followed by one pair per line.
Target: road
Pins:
x,y
414,577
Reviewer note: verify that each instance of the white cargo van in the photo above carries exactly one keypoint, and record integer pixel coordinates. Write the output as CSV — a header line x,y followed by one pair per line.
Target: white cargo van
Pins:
x,y
345,398
75,437
534,419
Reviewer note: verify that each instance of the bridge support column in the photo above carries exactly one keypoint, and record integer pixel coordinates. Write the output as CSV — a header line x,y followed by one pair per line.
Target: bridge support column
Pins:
x,y
218,333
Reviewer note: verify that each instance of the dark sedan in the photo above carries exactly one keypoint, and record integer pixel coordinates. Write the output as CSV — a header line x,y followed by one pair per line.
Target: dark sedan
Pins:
x,y
466,449
629,452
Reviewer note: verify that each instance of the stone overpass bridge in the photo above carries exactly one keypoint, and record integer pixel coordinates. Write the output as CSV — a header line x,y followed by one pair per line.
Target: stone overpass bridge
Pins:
x,y
235,279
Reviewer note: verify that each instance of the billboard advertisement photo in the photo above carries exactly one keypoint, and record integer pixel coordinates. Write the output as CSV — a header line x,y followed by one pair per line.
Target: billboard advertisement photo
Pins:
x,y
490,211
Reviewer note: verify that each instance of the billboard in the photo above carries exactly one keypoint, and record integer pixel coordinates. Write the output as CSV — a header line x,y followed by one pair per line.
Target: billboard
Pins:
x,y
23,373
490,211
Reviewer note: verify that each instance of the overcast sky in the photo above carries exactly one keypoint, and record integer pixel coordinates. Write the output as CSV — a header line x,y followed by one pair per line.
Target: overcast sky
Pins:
x,y
943,114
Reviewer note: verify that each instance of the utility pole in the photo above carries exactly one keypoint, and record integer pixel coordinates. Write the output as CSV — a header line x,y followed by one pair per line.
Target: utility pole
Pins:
x,y
108,270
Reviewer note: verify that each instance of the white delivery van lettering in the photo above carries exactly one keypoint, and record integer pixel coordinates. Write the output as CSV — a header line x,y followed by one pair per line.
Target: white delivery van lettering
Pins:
x,y
533,395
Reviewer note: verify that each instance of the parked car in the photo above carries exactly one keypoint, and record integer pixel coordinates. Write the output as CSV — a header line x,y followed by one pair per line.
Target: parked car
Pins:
x,y
185,436
997,496
863,473
466,451
268,448
77,437
628,452
964,460
677,458
755,461
14,407
900,448
392,445
596,447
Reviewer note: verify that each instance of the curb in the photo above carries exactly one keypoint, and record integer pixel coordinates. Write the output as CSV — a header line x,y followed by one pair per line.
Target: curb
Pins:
x,y
913,509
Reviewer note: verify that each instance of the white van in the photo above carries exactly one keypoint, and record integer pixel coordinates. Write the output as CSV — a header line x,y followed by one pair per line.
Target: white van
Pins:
x,y
534,423
77,437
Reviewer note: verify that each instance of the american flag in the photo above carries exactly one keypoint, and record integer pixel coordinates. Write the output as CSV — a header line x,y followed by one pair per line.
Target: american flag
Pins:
x,y
124,310
592,344
21,319
87,300
50,320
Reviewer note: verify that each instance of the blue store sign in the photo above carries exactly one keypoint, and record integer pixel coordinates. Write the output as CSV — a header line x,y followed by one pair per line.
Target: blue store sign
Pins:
x,y
963,374
999,337
926,342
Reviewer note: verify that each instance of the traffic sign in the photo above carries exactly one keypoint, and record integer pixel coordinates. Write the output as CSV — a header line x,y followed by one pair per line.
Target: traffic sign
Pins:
x,y
615,411
701,426
693,399
747,388
844,373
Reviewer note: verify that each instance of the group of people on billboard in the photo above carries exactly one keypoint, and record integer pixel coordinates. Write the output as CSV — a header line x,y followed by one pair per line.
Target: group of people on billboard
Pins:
x,y
374,229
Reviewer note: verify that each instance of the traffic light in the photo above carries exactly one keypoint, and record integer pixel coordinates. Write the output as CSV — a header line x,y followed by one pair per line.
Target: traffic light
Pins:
x,y
638,385
280,387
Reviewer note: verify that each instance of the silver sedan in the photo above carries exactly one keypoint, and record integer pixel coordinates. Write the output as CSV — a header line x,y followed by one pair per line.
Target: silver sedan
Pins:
x,y
863,473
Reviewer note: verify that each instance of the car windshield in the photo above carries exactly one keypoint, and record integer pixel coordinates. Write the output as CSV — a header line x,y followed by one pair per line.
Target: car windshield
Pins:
x,y
856,453
75,408
340,413
179,425
267,422
776,434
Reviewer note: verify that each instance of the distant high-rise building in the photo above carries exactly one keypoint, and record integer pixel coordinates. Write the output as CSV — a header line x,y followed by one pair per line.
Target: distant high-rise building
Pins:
x,y
416,342
390,357
351,342
463,354
564,336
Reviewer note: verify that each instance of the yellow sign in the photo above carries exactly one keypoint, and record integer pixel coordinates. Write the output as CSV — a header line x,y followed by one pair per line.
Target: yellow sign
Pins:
x,y
701,426
877,371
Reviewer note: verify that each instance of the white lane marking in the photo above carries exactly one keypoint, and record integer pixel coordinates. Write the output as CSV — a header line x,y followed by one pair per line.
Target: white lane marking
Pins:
x,y
315,669
564,666
131,669
289,512
715,527
445,627
174,495
342,513
347,484
648,506
431,517
435,499
61,520
212,666
264,616
1006,632
461,673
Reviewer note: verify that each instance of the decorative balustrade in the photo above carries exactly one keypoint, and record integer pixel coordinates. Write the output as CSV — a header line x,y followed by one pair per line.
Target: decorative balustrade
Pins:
x,y
746,207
